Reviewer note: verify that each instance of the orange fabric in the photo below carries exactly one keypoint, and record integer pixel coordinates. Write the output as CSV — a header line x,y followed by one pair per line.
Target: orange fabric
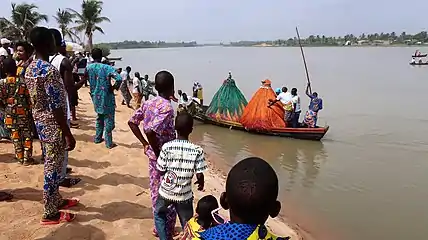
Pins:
x,y
258,116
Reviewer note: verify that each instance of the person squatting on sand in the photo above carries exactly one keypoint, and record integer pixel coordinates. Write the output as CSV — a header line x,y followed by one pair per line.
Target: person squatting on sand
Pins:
x,y
251,197
102,95
179,160
157,115
49,108
14,96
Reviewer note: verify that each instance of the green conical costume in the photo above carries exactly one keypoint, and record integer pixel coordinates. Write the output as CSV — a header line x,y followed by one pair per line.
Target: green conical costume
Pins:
x,y
228,103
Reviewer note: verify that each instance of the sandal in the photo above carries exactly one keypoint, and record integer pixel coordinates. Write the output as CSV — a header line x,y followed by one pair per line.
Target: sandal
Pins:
x,y
154,233
4,196
69,203
29,162
63,217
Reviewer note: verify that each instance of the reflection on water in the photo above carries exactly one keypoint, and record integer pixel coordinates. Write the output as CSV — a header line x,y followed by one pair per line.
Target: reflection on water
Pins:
x,y
368,177
297,162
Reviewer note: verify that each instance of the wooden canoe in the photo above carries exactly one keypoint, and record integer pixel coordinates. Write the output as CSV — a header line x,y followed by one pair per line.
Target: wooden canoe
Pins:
x,y
297,133
418,64
115,58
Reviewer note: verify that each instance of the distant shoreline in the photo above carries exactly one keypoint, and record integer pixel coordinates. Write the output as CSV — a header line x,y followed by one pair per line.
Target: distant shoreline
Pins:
x,y
259,46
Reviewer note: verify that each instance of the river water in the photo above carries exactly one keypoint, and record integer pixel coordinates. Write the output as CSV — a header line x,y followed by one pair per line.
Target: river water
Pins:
x,y
368,178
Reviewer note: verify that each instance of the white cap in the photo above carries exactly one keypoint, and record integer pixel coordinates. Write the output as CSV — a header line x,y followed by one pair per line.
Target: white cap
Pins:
x,y
4,41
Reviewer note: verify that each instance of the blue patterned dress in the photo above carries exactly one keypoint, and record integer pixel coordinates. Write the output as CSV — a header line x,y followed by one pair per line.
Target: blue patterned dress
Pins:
x,y
103,99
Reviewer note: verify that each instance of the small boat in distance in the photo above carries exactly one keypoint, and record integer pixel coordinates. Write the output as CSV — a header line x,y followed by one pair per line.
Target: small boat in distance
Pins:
x,y
418,63
115,58
420,56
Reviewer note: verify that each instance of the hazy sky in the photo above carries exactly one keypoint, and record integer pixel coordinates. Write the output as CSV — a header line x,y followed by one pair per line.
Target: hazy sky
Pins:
x,y
231,20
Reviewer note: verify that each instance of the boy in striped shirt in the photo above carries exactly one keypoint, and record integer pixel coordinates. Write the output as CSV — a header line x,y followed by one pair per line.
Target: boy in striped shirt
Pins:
x,y
179,160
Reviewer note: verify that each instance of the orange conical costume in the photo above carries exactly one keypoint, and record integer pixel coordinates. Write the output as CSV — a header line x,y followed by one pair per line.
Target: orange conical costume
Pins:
x,y
258,116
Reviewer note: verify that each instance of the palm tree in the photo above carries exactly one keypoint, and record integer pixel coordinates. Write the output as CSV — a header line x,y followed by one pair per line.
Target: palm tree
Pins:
x,y
64,19
24,17
88,20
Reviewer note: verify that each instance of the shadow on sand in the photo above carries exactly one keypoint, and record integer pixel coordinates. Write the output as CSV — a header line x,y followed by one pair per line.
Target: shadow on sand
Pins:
x,y
75,230
115,211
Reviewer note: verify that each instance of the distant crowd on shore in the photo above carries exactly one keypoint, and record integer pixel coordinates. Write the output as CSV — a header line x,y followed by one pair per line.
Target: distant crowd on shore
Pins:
x,y
36,96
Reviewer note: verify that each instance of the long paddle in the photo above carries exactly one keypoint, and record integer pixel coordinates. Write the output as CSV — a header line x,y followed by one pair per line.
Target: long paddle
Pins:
x,y
304,61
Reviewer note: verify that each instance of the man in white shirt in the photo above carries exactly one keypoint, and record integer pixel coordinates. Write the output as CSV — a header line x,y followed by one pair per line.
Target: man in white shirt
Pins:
x,y
5,47
136,90
285,98
296,108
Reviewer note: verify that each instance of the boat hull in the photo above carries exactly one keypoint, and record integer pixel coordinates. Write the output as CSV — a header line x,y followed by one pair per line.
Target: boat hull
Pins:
x,y
419,64
297,133
418,56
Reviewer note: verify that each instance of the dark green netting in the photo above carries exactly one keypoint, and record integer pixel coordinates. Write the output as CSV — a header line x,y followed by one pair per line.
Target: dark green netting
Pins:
x,y
228,103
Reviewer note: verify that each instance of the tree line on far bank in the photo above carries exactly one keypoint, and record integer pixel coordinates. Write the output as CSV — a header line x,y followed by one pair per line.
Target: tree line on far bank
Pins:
x,y
363,39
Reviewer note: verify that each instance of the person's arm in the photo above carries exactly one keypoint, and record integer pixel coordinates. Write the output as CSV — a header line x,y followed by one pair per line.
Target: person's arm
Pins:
x,y
272,102
200,167
161,163
163,115
117,77
55,91
308,91
133,125
67,74
83,79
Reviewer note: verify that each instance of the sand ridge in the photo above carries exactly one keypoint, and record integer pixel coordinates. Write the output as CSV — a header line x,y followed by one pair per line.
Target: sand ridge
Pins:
x,y
111,181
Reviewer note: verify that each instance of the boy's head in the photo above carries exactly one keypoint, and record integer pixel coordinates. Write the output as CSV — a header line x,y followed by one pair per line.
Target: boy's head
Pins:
x,y
205,206
60,45
9,66
251,192
184,124
164,84
42,40
97,54
128,69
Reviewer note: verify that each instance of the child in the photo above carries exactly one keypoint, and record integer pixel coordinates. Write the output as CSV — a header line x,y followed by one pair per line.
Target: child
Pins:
x,y
251,193
203,219
178,162
16,98
157,116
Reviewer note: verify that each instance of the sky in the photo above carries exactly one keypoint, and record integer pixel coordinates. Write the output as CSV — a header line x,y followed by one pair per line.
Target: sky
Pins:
x,y
213,21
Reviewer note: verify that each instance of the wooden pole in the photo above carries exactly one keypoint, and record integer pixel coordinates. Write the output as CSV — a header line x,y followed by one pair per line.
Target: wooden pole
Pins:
x,y
304,60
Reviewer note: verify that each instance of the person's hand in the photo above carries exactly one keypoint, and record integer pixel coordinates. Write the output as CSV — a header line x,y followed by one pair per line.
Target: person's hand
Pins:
x,y
70,143
146,147
200,185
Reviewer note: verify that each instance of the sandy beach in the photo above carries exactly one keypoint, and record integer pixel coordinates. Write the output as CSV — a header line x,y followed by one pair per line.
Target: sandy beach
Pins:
x,y
111,180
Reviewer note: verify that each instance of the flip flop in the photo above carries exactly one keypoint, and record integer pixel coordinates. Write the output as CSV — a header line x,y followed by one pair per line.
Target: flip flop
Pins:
x,y
64,217
69,203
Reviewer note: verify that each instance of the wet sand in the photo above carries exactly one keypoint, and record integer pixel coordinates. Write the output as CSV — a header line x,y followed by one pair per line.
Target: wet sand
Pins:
x,y
111,180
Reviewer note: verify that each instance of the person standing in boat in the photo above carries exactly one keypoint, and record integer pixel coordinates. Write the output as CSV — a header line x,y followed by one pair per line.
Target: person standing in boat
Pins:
x,y
315,106
285,98
197,92
295,100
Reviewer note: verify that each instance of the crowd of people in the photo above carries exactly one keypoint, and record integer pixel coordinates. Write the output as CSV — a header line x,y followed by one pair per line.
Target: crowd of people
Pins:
x,y
38,91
